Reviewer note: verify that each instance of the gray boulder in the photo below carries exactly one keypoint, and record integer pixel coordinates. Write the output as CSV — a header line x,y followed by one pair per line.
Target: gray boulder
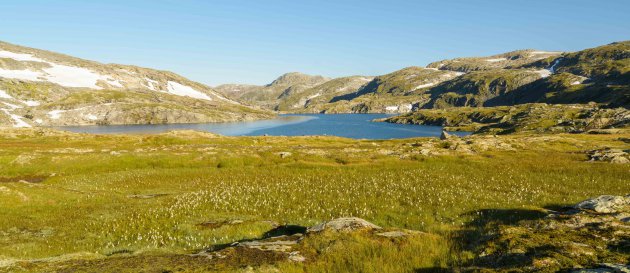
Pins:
x,y
610,155
344,224
605,204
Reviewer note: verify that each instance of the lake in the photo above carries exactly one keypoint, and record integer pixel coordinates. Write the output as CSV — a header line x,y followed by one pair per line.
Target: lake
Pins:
x,y
359,126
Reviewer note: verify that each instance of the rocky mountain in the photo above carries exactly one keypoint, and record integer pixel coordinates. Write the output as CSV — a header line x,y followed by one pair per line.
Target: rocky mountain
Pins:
x,y
269,96
310,99
599,75
42,88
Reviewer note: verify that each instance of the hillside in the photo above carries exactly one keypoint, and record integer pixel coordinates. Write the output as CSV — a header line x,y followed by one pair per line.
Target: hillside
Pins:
x,y
42,88
501,61
268,96
309,99
599,75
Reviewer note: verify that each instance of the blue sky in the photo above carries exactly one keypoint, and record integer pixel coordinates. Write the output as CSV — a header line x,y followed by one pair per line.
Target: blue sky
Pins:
x,y
216,42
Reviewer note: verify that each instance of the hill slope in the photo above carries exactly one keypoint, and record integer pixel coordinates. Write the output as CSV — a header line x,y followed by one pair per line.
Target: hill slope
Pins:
x,y
41,88
268,96
600,75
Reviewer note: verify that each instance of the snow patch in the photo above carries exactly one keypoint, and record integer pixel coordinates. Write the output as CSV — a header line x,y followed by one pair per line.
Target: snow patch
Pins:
x,y
547,72
55,114
433,68
91,117
12,106
183,90
313,96
391,108
544,52
496,60
552,69
17,120
71,76
115,83
39,121
151,84
64,75
425,85
4,95
27,75
19,57
544,73
31,103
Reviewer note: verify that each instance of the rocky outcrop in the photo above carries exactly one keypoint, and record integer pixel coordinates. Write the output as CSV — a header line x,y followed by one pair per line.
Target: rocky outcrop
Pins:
x,y
535,117
444,135
610,155
591,236
605,204
605,268
287,241
344,224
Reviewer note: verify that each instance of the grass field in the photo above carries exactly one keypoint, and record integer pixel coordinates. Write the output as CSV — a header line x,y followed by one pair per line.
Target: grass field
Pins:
x,y
83,202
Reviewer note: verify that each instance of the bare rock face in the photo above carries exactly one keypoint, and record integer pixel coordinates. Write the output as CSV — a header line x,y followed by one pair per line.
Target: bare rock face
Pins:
x,y
610,155
605,204
445,135
590,237
344,224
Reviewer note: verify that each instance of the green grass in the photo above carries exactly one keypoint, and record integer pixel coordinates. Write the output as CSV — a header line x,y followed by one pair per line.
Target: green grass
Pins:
x,y
84,204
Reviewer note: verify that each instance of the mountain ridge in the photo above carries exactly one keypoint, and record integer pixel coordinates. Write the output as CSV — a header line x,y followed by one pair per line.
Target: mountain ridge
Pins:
x,y
45,88
600,75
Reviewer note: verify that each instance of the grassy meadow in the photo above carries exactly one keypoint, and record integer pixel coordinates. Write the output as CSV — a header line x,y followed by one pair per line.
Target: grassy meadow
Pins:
x,y
74,203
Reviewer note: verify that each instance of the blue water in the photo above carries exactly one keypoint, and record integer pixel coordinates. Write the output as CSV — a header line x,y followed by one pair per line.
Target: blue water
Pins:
x,y
359,126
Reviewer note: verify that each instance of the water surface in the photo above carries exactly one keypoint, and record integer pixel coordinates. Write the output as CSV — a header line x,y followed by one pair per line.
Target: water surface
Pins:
x,y
359,126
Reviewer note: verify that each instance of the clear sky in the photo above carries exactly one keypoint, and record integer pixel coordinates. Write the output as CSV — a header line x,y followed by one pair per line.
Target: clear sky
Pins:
x,y
236,41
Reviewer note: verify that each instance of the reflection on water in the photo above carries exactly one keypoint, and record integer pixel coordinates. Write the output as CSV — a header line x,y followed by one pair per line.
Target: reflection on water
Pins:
x,y
343,125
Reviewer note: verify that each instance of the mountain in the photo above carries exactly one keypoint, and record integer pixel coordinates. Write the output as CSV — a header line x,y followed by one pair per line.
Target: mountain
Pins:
x,y
268,96
507,60
310,99
396,92
42,88
599,75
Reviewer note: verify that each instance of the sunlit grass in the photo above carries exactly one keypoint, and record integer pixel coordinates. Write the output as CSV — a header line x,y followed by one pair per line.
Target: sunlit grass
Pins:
x,y
88,200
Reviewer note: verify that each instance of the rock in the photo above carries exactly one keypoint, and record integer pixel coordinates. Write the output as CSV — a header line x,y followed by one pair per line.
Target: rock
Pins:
x,y
279,245
618,267
605,268
445,135
344,224
611,155
284,154
620,160
296,257
605,204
